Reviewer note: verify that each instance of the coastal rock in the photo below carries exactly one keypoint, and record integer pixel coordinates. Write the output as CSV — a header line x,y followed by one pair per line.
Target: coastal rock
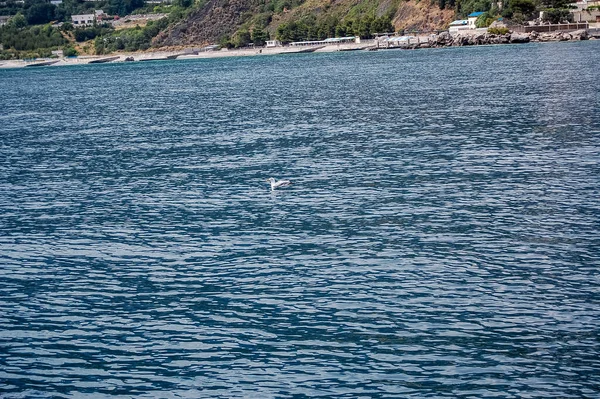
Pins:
x,y
581,34
498,39
443,39
547,37
481,38
519,38
460,40
474,38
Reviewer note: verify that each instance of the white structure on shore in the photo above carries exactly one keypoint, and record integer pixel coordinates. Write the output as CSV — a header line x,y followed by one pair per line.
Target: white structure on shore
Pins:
x,y
465,24
273,43
331,40
458,25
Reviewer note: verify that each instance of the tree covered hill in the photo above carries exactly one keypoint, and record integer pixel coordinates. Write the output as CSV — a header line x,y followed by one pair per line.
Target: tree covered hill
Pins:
x,y
237,22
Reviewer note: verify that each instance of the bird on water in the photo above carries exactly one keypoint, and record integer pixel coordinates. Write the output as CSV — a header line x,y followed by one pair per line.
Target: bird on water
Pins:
x,y
278,183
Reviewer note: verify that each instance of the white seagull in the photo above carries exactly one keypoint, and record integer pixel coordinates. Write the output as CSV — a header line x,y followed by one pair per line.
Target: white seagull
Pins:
x,y
278,183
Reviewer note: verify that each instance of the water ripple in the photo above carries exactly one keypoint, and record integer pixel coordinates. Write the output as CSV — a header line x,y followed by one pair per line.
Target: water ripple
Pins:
x,y
440,238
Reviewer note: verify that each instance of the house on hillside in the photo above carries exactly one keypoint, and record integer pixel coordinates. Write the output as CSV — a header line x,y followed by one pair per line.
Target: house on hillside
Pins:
x,y
472,19
4,19
100,15
83,20
88,19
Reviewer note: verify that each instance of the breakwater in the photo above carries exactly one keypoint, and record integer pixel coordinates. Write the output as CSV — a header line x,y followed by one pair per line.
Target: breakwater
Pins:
x,y
474,38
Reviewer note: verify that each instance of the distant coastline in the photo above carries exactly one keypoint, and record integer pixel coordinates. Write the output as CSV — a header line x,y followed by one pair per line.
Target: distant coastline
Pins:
x,y
440,40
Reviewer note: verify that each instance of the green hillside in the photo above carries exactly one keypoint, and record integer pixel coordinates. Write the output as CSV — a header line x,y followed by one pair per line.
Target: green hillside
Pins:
x,y
237,22
37,27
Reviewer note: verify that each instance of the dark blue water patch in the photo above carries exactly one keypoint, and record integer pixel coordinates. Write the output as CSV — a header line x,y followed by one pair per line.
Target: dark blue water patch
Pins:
x,y
439,238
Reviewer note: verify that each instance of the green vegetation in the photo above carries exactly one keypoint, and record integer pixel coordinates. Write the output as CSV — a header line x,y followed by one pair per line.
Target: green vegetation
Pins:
x,y
18,22
498,31
91,32
556,11
246,21
466,7
310,28
557,15
485,20
123,7
28,34
38,12
520,10
279,6
259,36
449,4
130,39
525,7
29,42
69,51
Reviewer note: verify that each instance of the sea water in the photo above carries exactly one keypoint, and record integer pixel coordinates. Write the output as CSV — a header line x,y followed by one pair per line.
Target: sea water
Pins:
x,y
440,238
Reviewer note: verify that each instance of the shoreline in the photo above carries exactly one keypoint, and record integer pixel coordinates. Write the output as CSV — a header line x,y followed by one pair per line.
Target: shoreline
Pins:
x,y
184,54
444,39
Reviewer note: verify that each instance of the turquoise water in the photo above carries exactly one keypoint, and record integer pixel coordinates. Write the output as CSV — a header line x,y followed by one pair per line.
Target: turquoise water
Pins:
x,y
440,239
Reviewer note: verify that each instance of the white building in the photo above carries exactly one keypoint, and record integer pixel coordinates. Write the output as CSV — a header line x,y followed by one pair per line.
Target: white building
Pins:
x,y
87,19
472,19
465,24
83,19
4,20
55,2
273,43
458,25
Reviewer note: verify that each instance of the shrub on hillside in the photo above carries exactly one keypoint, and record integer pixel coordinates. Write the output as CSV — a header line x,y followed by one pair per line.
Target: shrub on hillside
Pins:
x,y
498,31
69,51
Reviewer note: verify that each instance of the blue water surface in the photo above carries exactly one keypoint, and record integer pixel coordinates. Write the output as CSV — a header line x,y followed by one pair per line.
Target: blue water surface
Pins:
x,y
440,238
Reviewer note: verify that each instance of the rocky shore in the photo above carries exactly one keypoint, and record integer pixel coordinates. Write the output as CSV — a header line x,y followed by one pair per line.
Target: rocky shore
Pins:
x,y
446,39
